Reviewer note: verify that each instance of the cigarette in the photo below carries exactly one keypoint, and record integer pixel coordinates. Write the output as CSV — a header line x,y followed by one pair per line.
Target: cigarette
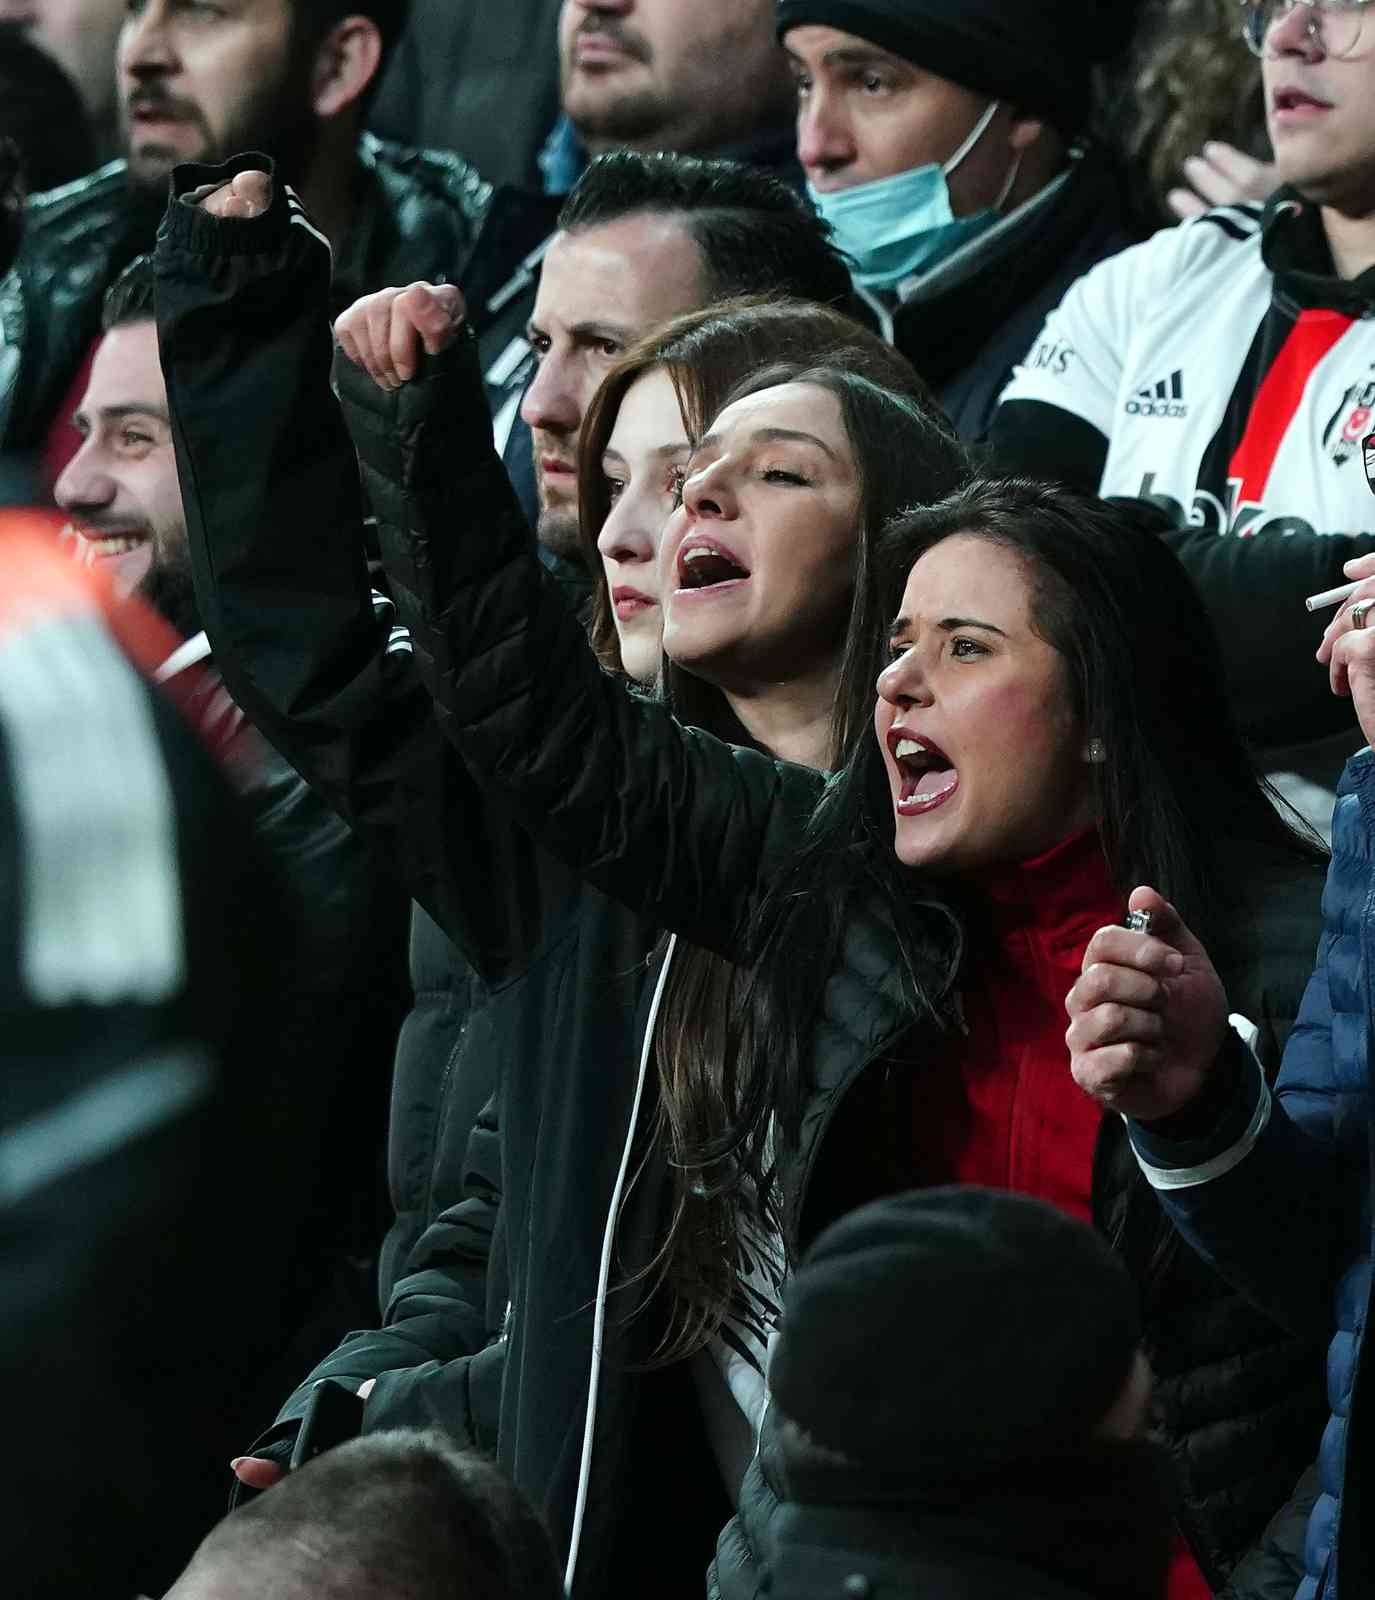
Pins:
x,y
1332,597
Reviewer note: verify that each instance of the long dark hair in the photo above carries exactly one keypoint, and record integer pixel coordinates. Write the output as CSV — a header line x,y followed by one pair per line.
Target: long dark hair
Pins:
x,y
903,452
1180,802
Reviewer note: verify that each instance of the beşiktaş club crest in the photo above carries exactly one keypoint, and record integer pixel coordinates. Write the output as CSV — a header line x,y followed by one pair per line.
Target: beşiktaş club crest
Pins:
x,y
1351,422
1164,398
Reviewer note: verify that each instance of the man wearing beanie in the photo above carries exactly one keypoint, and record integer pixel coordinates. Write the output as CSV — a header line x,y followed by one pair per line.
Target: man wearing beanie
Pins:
x,y
958,1403
944,141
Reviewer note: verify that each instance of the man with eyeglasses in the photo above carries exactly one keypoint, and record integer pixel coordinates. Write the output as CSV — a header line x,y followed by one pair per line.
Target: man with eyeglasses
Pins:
x,y
1224,371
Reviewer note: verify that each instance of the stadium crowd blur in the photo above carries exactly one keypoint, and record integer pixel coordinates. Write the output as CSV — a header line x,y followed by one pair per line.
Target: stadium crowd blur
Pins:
x,y
689,904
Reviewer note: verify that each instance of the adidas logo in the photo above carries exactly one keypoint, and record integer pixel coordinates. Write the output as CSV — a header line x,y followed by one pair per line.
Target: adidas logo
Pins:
x,y
1163,399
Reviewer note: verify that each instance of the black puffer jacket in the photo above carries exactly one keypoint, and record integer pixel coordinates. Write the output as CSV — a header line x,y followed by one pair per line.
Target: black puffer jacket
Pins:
x,y
597,774
418,214
594,773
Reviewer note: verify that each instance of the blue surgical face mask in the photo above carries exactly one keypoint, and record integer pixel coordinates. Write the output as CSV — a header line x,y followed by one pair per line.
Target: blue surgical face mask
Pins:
x,y
896,227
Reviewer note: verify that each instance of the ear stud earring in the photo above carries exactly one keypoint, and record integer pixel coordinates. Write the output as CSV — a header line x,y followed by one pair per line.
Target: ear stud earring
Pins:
x,y
1096,752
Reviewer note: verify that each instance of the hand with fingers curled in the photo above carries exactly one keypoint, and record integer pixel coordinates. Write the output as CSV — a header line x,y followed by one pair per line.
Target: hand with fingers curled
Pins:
x,y
247,195
385,333
1348,645
1148,1015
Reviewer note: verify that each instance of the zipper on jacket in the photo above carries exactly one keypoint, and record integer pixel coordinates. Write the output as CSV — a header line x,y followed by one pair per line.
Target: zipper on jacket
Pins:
x,y
604,1273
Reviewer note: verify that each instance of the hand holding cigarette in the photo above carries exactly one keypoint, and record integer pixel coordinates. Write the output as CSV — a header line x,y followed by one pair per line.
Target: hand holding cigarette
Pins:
x,y
1348,645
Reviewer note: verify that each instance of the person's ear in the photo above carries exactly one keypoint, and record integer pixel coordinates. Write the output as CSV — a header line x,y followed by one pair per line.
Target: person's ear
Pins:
x,y
345,64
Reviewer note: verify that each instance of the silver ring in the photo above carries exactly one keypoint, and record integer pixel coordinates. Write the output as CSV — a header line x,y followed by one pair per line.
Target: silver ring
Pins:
x,y
1360,611
1139,921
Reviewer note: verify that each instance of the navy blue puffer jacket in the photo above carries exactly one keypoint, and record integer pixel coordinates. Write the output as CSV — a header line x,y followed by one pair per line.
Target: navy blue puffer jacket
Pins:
x,y
1279,1196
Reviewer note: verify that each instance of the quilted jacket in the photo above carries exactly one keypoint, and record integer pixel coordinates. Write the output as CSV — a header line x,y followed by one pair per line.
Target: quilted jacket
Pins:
x,y
1279,1196
606,782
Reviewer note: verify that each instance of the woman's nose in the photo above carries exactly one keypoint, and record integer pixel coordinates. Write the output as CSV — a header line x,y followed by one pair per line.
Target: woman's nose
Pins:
x,y
707,494
902,683
623,537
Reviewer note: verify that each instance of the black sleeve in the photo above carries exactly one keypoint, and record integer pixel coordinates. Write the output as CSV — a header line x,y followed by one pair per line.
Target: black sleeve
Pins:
x,y
274,514
681,827
1031,439
1254,590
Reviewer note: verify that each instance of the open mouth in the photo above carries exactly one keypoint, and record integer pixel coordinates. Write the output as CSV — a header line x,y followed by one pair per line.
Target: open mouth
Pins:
x,y
704,564
928,776
106,546
1296,101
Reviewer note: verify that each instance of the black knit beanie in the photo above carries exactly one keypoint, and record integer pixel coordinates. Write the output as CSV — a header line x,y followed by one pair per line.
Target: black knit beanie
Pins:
x,y
1036,54
952,1332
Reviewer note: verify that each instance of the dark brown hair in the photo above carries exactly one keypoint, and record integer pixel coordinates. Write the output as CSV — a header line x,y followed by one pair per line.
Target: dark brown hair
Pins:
x,y
905,453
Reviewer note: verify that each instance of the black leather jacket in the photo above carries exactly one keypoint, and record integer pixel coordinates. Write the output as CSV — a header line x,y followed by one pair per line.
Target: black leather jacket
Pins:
x,y
418,215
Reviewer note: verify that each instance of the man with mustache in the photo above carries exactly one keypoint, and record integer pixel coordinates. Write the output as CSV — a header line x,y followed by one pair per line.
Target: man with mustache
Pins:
x,y
706,79
199,83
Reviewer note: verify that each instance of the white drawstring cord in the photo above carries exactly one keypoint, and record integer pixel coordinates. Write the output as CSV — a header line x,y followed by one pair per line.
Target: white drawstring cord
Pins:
x,y
604,1275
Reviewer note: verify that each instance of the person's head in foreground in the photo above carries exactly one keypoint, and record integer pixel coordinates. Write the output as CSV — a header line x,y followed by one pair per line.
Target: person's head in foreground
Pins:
x,y
394,1516
640,431
976,1354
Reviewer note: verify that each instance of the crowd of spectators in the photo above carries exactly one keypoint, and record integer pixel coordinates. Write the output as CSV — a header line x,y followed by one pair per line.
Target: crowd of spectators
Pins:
x,y
688,897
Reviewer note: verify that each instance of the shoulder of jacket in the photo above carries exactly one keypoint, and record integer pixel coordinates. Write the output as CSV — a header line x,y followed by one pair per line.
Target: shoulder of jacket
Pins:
x,y
101,190
443,176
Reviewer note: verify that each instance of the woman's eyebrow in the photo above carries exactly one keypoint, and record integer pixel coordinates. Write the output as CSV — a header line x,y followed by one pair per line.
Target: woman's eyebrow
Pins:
x,y
949,624
902,624
791,436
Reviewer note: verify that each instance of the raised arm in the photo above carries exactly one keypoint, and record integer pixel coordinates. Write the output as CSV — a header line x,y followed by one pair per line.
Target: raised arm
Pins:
x,y
681,827
275,518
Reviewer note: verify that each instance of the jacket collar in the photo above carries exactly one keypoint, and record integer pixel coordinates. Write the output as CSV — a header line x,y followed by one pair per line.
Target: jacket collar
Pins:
x,y
1294,247
946,315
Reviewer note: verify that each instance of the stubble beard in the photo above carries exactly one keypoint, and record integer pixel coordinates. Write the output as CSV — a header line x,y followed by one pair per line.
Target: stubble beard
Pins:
x,y
274,117
559,533
167,586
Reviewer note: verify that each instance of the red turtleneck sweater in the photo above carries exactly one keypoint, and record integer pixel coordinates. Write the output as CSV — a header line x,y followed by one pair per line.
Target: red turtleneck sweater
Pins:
x,y
1001,1109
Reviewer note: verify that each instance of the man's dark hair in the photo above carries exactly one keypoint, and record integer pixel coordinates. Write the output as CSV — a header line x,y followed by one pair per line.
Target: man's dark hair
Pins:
x,y
130,297
393,1516
312,19
756,235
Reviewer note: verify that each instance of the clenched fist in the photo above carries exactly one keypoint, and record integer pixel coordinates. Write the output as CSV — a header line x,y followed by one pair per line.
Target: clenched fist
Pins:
x,y
248,195
1147,1016
384,333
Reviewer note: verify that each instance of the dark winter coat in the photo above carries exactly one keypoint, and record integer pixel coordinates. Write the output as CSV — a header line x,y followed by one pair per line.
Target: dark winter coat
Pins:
x,y
967,323
569,1051
1288,1215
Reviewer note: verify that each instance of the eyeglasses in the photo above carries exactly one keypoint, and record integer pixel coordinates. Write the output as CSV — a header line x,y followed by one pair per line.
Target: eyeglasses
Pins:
x,y
1335,24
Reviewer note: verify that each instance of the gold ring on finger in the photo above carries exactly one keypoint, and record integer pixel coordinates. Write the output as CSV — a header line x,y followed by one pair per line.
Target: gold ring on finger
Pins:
x,y
1360,612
